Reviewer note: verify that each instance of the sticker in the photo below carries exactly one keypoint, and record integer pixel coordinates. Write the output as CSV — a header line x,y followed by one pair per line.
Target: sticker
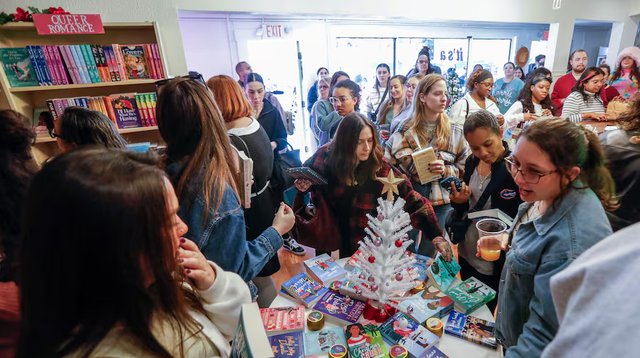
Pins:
x,y
508,194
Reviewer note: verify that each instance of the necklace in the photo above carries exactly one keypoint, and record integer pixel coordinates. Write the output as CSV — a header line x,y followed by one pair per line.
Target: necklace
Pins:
x,y
482,178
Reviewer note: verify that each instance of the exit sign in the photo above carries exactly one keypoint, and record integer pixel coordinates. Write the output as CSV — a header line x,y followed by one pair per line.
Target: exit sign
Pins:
x,y
274,30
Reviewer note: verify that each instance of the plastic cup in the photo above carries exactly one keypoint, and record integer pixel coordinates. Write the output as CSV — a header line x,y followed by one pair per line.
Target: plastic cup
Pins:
x,y
490,249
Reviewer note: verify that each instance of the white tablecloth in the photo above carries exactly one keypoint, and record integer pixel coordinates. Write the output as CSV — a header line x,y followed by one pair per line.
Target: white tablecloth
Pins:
x,y
450,345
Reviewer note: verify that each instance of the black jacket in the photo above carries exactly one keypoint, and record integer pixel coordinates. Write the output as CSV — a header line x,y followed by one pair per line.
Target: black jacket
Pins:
x,y
505,198
271,121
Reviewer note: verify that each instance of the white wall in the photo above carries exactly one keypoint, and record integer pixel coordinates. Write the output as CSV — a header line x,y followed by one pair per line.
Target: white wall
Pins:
x,y
165,13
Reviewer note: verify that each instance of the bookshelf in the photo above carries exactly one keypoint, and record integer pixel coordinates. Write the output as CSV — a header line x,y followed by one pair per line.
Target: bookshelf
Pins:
x,y
26,99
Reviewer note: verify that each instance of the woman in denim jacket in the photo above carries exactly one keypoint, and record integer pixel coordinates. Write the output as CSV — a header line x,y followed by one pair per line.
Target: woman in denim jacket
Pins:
x,y
201,165
559,168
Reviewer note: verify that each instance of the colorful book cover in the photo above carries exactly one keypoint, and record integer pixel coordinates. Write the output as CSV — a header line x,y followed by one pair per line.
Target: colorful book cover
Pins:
x,y
426,304
443,273
278,320
351,289
111,63
142,110
340,308
48,61
304,289
70,63
135,62
249,339
419,342
92,68
365,341
319,342
18,67
80,64
324,269
37,50
471,294
287,345
433,352
125,110
151,63
398,326
36,65
421,266
57,55
160,66
471,328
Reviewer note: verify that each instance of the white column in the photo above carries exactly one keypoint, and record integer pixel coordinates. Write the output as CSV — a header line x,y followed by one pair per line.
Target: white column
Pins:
x,y
560,35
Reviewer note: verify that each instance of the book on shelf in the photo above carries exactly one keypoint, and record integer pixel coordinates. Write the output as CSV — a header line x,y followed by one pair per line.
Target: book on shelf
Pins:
x,y
324,269
365,341
471,328
471,294
290,345
340,308
250,340
421,160
317,343
278,320
443,273
47,65
304,289
419,342
426,304
126,110
18,67
397,326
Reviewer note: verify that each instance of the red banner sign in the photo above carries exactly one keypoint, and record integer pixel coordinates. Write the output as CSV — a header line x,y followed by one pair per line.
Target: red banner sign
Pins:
x,y
65,24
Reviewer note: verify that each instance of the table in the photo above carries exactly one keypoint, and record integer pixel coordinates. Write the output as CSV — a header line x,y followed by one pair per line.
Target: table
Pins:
x,y
450,345
599,126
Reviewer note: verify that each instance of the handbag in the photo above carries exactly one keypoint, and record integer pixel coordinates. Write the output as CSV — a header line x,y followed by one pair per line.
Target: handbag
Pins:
x,y
315,223
457,224
290,158
373,116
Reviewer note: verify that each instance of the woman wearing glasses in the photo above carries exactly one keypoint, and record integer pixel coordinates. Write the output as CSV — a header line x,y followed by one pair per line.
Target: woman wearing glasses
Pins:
x,y
559,168
478,97
351,163
325,114
345,98
322,106
585,101
506,89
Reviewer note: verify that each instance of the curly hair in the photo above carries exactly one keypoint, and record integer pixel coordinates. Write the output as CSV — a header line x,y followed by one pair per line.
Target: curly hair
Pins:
x,y
525,96
630,120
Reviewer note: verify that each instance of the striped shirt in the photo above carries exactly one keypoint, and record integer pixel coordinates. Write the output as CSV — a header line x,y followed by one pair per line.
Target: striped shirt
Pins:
x,y
574,106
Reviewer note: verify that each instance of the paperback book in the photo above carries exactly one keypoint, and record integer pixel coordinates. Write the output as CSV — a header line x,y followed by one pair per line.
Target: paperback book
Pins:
x,y
421,266
429,303
304,289
340,308
135,61
249,340
419,342
126,110
324,269
471,328
470,295
443,273
319,342
365,341
397,326
17,67
278,320
287,345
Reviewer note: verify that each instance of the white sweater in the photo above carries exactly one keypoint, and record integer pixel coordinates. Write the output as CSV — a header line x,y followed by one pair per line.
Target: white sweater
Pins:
x,y
574,106
458,112
515,114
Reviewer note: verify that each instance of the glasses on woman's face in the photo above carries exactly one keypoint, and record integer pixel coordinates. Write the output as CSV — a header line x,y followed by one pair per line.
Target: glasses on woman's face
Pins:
x,y
529,176
192,76
340,99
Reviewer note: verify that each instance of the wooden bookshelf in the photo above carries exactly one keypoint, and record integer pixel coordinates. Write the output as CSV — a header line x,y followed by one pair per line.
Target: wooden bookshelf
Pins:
x,y
26,99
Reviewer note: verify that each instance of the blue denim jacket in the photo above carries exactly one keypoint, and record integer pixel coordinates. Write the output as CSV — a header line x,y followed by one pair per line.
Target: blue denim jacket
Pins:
x,y
526,320
222,238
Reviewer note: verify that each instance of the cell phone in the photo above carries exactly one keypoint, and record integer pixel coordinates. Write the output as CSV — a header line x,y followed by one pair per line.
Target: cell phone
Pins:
x,y
446,183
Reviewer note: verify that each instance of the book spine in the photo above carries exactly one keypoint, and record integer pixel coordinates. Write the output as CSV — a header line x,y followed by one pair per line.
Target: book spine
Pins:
x,y
93,50
108,104
43,64
52,109
103,63
56,65
81,66
153,97
71,65
151,66
61,69
36,65
110,63
91,64
48,62
141,110
156,51
117,51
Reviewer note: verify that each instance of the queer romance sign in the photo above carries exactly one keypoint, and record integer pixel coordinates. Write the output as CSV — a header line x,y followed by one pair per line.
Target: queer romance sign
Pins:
x,y
65,24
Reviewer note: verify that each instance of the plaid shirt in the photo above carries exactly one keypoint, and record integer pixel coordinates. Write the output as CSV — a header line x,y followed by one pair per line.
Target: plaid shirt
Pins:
x,y
365,199
401,144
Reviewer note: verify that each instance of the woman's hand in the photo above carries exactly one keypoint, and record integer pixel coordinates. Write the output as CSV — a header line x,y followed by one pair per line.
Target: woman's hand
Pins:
x,y
459,197
284,220
547,112
594,116
495,242
274,145
195,265
528,116
500,119
444,247
437,166
302,185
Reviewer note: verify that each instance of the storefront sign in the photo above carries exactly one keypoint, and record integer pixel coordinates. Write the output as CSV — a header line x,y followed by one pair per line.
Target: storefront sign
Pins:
x,y
64,24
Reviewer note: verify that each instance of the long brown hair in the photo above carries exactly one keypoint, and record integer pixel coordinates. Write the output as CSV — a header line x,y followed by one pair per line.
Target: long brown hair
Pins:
x,y
229,97
630,120
390,102
569,145
90,247
342,160
418,121
192,126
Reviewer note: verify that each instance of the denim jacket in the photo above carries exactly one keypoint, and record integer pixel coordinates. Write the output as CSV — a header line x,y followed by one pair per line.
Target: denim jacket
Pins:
x,y
527,320
222,238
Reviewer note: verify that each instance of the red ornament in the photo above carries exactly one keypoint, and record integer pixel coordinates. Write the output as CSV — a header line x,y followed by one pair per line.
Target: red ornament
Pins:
x,y
398,243
371,259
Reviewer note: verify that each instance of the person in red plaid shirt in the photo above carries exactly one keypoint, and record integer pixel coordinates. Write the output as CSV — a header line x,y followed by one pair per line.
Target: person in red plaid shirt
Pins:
x,y
351,163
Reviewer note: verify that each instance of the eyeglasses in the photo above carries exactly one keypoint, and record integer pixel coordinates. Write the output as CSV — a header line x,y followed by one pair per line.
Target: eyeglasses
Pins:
x,y
424,62
340,99
48,122
193,75
530,177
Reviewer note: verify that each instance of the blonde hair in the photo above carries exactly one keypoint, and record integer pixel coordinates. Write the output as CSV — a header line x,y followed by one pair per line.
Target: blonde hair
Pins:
x,y
418,120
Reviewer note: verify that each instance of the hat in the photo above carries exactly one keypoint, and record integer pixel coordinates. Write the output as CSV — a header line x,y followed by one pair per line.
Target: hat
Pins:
x,y
633,52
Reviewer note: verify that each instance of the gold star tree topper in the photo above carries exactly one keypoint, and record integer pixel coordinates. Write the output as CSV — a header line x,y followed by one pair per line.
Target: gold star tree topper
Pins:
x,y
390,185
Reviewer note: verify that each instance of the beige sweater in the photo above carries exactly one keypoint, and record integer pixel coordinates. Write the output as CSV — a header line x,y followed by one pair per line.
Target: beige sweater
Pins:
x,y
222,303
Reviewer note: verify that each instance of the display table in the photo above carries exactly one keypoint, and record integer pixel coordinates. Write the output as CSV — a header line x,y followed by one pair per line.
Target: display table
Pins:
x,y
452,346
599,126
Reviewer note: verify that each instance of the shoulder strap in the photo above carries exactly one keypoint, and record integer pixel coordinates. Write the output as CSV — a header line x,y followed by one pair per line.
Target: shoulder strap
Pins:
x,y
493,184
382,100
244,144
466,114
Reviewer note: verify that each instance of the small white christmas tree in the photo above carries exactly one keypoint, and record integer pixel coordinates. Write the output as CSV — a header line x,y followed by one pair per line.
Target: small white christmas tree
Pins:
x,y
383,261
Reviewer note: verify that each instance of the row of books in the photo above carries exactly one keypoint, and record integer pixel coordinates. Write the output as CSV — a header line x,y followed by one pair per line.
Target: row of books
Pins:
x,y
48,65
126,110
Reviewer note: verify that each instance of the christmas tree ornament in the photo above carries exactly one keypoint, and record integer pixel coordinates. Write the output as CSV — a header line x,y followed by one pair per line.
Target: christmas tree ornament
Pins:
x,y
371,259
371,279
399,243
390,186
398,276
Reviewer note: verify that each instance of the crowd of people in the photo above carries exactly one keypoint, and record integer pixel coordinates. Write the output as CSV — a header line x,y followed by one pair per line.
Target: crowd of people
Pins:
x,y
117,253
